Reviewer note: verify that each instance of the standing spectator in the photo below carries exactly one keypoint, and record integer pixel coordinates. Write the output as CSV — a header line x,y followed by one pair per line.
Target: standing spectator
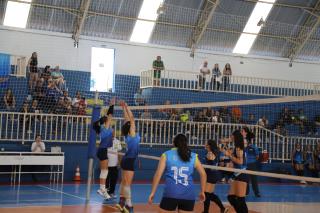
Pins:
x,y
286,116
204,71
264,122
38,147
138,98
52,96
82,106
9,100
33,70
46,73
25,119
227,72
113,163
236,114
216,77
157,66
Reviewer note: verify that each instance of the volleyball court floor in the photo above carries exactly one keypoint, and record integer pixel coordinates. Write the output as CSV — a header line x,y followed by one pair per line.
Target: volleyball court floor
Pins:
x,y
71,198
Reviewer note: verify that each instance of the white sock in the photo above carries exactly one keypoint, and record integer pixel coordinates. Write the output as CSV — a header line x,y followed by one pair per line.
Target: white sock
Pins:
x,y
128,202
102,187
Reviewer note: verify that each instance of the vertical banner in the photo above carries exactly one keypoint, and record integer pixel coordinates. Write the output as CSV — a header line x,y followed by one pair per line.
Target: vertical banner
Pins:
x,y
93,136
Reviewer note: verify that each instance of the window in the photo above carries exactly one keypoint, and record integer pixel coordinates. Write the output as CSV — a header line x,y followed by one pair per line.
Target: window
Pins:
x,y
17,14
102,69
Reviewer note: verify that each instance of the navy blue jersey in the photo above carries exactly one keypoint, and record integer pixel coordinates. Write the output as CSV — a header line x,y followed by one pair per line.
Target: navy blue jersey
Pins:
x,y
297,157
244,163
252,153
132,146
105,137
309,157
178,176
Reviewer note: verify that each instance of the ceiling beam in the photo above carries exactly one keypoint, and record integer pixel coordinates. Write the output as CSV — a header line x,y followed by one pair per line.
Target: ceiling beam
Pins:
x,y
84,9
202,23
312,23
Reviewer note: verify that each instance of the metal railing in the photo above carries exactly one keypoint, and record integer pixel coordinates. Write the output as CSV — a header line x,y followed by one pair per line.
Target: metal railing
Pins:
x,y
75,129
232,84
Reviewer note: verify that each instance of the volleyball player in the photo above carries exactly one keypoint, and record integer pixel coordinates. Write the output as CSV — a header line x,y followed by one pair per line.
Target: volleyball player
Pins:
x,y
225,160
132,140
103,128
238,187
297,161
309,160
213,176
178,165
316,156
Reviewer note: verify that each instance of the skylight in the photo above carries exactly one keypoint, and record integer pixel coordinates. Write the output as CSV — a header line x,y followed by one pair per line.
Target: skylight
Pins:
x,y
143,29
17,13
251,30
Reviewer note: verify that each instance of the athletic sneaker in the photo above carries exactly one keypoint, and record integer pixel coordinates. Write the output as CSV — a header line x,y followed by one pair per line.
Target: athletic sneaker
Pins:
x,y
128,209
104,194
121,204
113,196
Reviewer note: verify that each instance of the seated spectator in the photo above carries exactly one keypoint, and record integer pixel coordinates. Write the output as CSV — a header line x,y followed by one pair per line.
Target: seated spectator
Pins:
x,y
252,119
52,95
263,122
227,72
281,130
67,103
225,115
216,117
236,114
157,66
39,92
9,100
34,107
286,116
38,146
33,70
166,113
216,78
82,106
146,114
25,118
204,71
138,98
60,108
46,74
58,78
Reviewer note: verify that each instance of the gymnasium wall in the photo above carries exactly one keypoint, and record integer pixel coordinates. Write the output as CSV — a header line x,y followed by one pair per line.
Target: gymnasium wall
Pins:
x,y
57,48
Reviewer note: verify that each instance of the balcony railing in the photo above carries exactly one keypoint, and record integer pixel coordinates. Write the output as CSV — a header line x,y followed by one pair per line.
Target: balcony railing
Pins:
x,y
233,84
23,127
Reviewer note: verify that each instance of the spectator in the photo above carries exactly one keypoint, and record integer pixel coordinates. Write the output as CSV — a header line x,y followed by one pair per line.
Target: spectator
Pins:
x,y
236,114
82,109
166,113
138,98
33,70
216,117
38,147
9,100
225,115
302,121
227,72
204,71
60,108
252,119
157,67
52,96
46,73
286,116
39,92
25,118
263,122
281,130
146,114
216,77
58,78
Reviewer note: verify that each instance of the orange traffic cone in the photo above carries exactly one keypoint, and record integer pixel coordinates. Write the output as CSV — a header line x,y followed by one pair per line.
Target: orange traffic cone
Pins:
x,y
77,175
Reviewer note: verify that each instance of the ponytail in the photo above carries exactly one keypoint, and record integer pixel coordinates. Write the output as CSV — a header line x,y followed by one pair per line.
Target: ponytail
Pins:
x,y
181,142
97,124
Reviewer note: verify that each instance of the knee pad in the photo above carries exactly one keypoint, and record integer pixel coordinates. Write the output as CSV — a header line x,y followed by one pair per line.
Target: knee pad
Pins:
x,y
127,192
103,174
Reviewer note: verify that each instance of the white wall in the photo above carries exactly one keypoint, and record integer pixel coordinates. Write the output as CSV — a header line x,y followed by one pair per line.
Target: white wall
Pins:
x,y
54,49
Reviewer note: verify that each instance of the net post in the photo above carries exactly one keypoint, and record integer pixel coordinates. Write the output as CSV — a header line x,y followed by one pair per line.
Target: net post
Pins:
x,y
89,180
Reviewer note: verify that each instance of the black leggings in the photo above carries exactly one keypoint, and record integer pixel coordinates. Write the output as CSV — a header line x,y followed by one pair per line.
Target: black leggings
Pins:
x,y
112,179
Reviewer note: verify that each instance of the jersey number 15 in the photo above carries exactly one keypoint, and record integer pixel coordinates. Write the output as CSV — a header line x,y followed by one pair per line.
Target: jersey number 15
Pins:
x,y
180,176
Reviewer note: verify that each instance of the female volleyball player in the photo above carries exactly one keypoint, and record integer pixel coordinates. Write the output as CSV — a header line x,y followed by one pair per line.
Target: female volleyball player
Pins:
x,y
238,187
297,160
103,128
309,160
132,140
213,176
178,165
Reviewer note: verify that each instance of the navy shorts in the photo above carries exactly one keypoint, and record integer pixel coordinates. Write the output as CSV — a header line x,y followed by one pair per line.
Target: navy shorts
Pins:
x,y
213,176
102,154
241,177
172,204
128,164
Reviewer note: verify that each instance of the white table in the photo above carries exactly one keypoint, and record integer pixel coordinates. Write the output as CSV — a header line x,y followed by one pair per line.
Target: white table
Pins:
x,y
19,159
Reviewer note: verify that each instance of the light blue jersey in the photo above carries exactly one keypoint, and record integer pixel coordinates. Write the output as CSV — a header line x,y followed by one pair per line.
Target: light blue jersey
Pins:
x,y
179,176
132,146
105,137
298,158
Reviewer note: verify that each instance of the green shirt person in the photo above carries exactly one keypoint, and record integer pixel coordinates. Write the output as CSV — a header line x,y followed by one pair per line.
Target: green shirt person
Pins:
x,y
157,67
